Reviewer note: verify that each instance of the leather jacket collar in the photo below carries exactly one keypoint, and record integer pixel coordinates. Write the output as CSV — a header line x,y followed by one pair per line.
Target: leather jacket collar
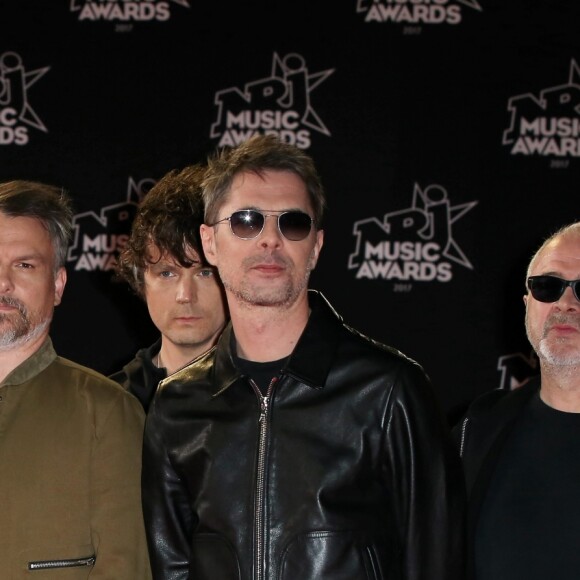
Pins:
x,y
311,359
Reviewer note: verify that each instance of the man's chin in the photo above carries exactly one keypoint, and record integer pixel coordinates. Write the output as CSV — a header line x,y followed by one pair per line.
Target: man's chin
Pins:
x,y
17,336
560,355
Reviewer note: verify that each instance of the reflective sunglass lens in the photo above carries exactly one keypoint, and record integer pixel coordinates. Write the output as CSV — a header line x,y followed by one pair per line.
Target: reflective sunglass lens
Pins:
x,y
247,224
295,225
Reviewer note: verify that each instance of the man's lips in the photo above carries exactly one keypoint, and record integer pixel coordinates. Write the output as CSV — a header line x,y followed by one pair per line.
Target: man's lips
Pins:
x,y
564,329
187,318
268,268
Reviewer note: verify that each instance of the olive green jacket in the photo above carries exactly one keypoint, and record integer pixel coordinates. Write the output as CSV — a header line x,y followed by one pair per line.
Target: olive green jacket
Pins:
x,y
70,467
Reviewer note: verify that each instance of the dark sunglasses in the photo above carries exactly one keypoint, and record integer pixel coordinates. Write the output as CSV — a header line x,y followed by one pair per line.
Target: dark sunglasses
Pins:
x,y
551,288
248,223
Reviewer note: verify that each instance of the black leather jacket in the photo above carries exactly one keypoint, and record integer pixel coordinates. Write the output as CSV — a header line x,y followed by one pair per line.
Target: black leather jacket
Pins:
x,y
346,471
140,376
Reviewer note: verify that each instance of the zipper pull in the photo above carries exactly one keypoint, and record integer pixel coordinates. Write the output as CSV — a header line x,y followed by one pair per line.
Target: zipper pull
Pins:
x,y
264,408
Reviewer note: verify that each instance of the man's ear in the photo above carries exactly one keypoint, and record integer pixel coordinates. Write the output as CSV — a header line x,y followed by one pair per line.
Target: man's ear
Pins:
x,y
207,235
59,284
316,250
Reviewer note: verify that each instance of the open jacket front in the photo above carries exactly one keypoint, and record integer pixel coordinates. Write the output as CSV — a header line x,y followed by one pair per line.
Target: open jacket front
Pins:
x,y
480,437
346,471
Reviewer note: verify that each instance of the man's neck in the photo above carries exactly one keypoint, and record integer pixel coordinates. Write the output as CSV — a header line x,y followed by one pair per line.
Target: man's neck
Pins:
x,y
173,357
10,358
265,333
561,388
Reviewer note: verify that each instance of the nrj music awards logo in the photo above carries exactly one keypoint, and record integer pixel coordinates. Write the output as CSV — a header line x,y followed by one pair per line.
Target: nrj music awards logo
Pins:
x,y
411,245
125,10
17,116
415,11
517,369
279,104
547,124
99,237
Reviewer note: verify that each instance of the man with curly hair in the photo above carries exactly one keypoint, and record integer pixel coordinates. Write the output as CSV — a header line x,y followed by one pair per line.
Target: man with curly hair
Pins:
x,y
164,263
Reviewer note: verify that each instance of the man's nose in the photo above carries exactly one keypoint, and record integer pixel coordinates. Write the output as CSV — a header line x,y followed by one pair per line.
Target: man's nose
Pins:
x,y
270,236
186,290
6,282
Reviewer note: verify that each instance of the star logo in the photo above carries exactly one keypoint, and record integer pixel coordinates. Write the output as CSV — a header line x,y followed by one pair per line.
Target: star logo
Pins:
x,y
280,101
14,84
419,234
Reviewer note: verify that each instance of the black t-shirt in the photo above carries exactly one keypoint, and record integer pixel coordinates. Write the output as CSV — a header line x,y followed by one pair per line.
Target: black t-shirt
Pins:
x,y
261,373
529,525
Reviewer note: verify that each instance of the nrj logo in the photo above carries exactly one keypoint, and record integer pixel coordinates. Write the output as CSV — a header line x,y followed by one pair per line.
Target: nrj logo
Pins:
x,y
278,104
549,124
98,238
414,244
517,369
124,10
16,114
415,11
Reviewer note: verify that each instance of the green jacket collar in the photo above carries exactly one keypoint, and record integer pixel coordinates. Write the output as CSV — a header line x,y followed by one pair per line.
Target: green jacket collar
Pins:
x,y
32,366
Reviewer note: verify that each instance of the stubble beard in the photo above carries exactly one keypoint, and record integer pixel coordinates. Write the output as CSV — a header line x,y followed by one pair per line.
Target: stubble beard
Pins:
x,y
20,327
547,348
284,296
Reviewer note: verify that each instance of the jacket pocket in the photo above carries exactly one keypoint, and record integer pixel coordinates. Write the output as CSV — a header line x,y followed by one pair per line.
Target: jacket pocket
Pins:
x,y
212,556
329,556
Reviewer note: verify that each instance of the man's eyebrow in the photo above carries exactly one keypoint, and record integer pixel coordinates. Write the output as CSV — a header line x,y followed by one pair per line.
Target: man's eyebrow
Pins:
x,y
30,256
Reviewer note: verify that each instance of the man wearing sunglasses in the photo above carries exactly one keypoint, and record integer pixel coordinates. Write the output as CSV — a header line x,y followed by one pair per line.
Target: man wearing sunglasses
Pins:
x,y
520,447
297,449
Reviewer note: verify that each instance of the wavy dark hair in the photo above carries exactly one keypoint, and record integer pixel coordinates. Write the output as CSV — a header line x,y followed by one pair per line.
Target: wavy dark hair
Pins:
x,y
168,217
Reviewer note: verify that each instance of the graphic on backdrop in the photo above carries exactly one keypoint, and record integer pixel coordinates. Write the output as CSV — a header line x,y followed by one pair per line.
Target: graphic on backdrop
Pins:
x,y
415,11
547,124
17,116
125,10
411,245
517,369
100,236
278,104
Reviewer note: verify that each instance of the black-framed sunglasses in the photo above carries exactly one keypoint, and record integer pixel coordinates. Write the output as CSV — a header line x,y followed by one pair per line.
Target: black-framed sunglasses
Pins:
x,y
248,224
551,288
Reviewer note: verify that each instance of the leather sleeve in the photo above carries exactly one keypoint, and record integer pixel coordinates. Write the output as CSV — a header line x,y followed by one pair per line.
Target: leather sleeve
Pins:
x,y
166,507
424,471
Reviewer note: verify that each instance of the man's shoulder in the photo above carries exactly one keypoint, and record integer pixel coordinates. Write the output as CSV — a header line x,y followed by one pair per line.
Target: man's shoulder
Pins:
x,y
382,353
347,346
86,378
490,412
137,366
124,375
197,370
499,401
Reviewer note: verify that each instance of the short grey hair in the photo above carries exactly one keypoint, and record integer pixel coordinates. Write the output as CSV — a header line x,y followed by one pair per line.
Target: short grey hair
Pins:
x,y
46,203
569,230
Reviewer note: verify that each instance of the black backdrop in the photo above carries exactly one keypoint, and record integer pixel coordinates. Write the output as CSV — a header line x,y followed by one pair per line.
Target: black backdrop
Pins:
x,y
446,133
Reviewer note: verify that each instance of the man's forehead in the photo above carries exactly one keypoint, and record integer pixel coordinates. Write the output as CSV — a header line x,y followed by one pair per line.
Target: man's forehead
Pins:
x,y
156,254
560,253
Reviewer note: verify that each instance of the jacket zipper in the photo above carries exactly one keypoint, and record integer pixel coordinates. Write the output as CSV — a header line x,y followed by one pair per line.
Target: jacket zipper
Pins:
x,y
463,431
47,564
259,524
